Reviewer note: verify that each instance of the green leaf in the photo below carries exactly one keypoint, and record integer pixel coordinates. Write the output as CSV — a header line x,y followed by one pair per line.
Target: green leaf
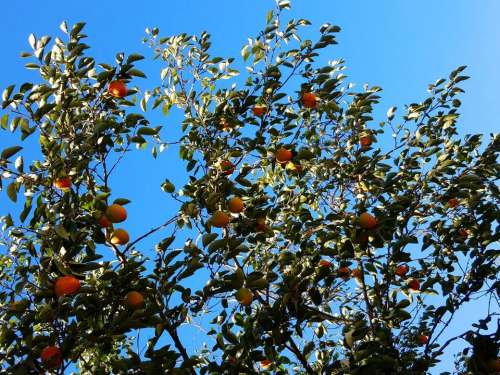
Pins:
x,y
6,93
4,120
147,131
136,73
269,16
245,52
207,238
134,57
216,245
12,192
77,28
10,151
121,201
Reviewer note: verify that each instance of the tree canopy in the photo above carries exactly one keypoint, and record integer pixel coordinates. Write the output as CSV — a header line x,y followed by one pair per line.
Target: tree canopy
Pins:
x,y
312,246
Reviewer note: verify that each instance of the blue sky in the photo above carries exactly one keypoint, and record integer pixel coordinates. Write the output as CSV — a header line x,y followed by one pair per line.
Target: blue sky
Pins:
x,y
398,45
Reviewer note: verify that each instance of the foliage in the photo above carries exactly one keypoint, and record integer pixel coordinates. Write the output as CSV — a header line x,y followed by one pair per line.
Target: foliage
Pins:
x,y
296,242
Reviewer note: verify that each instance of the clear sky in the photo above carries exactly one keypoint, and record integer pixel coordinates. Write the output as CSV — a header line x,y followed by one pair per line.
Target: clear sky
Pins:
x,y
398,45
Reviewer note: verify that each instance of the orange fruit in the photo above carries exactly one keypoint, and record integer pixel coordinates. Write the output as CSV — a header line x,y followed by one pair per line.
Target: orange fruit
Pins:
x,y
402,270
66,285
260,224
220,219
324,263
236,205
283,155
226,167
244,296
119,237
414,284
259,110
357,273
134,300
116,213
63,183
365,141
452,202
367,221
104,222
422,339
118,89
344,273
309,100
51,357
266,363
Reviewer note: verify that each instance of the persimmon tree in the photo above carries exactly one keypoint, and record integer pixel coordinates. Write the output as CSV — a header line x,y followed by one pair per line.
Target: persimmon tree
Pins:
x,y
320,240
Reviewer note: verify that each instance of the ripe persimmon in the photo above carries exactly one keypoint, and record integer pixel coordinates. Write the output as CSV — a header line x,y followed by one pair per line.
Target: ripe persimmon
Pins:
x,y
119,237
283,155
118,89
63,183
236,205
367,221
414,284
402,270
422,339
309,100
66,285
134,300
365,141
259,110
220,219
116,213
